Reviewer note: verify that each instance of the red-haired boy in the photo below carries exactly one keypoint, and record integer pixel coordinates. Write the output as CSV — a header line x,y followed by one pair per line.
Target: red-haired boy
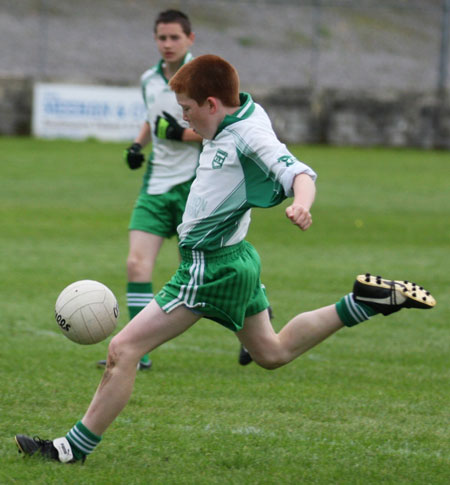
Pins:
x,y
242,165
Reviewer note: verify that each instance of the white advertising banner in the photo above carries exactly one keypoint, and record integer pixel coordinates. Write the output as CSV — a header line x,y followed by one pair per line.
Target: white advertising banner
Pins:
x,y
78,112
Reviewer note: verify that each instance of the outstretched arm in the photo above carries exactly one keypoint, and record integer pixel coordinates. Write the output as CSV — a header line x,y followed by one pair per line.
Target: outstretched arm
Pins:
x,y
304,192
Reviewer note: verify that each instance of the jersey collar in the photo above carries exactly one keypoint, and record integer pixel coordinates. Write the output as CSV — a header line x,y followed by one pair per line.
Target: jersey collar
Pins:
x,y
243,112
188,57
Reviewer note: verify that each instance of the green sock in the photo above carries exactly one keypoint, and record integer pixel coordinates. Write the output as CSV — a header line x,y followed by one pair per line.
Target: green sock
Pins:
x,y
82,441
351,313
139,295
145,359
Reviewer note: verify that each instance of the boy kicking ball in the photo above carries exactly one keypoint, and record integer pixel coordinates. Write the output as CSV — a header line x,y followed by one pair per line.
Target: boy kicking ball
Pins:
x,y
242,165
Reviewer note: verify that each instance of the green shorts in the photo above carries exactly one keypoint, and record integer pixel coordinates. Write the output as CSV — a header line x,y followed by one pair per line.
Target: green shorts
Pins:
x,y
222,285
160,214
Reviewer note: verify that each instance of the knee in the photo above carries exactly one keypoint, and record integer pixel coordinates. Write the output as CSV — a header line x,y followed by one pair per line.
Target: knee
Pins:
x,y
133,263
118,353
114,353
139,267
270,361
269,364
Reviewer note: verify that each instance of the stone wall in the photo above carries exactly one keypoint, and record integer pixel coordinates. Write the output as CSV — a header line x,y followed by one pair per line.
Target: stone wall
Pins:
x,y
359,119
300,116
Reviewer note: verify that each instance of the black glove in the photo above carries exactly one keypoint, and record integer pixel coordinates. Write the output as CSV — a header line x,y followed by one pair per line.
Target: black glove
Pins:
x,y
133,156
167,127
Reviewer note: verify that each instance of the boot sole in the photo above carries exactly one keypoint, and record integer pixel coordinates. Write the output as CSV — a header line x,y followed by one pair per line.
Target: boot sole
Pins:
x,y
416,296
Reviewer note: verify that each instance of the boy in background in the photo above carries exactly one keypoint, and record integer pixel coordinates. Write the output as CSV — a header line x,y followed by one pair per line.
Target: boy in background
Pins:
x,y
171,165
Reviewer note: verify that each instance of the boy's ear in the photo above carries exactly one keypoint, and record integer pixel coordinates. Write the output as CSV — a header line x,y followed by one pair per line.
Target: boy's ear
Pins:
x,y
212,104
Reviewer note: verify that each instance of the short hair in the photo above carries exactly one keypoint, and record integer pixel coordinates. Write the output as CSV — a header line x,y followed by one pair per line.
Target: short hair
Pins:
x,y
206,76
174,17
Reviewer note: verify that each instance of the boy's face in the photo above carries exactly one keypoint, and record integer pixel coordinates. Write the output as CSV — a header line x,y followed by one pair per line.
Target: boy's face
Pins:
x,y
172,42
200,117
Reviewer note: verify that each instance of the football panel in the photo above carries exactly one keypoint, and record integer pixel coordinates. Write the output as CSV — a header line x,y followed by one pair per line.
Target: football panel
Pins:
x,y
75,328
99,321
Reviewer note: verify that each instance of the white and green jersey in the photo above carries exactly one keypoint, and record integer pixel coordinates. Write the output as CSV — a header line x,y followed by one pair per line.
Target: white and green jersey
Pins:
x,y
171,162
243,166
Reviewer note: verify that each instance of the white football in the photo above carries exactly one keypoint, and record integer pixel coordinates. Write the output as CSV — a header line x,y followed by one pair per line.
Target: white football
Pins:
x,y
86,312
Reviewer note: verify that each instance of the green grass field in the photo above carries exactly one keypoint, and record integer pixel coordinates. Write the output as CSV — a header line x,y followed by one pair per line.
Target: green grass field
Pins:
x,y
368,406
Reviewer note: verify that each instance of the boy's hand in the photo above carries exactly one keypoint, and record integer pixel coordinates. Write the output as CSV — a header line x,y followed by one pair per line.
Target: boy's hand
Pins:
x,y
167,127
133,156
299,215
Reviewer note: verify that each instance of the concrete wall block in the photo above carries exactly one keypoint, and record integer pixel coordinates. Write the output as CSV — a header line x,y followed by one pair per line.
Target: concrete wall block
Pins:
x,y
303,116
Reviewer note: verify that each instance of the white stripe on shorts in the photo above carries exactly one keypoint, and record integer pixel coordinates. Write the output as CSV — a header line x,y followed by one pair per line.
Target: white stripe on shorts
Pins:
x,y
188,292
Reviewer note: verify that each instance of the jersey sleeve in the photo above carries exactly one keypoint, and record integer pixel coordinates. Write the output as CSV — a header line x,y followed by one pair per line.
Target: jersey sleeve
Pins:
x,y
269,166
284,166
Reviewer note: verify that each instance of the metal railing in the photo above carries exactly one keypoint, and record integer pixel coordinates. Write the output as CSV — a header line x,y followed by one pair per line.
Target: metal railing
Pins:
x,y
324,52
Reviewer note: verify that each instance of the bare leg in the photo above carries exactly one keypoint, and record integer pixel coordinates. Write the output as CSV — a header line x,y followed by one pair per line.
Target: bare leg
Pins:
x,y
304,331
149,329
144,249
308,329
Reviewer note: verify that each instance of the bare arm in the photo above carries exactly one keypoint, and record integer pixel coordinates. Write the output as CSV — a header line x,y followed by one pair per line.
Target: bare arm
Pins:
x,y
190,135
304,194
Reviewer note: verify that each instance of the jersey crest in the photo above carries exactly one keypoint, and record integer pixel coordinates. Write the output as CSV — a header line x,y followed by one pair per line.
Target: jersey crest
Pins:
x,y
219,159
288,160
